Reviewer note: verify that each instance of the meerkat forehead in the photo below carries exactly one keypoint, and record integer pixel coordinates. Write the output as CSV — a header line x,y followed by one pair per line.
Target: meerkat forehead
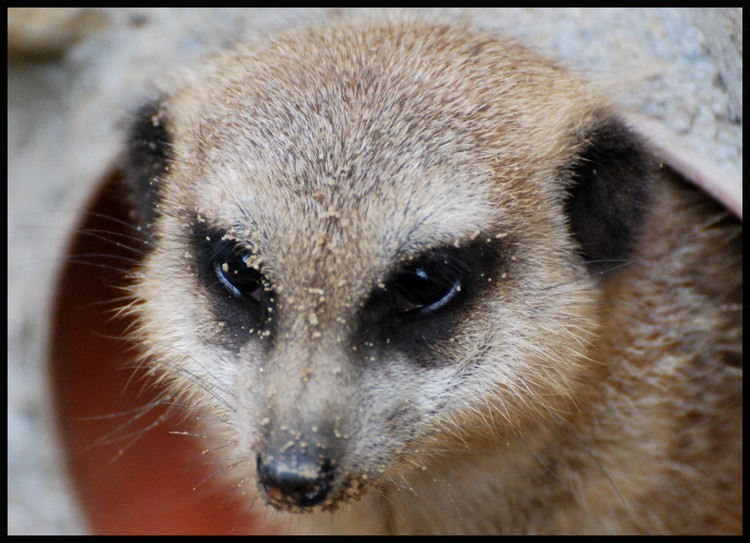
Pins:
x,y
377,140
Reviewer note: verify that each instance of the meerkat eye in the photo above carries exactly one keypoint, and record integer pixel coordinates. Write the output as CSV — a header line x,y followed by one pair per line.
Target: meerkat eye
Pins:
x,y
426,285
235,272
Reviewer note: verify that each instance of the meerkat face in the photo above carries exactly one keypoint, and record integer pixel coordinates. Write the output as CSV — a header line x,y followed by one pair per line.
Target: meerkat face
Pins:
x,y
364,237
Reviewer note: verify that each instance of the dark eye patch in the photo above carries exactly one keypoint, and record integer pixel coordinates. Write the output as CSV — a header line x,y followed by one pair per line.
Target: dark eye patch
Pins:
x,y
419,305
427,284
240,294
235,269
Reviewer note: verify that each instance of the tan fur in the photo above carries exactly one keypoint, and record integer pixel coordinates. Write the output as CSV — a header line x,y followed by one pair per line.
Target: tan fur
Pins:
x,y
563,404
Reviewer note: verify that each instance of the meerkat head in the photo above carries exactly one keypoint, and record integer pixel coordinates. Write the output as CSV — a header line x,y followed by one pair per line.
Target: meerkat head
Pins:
x,y
375,241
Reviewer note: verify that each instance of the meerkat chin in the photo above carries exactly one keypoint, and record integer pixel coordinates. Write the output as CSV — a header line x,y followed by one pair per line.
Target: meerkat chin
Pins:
x,y
426,281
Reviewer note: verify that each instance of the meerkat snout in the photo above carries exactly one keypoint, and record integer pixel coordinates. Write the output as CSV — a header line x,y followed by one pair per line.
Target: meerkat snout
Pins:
x,y
300,479
296,471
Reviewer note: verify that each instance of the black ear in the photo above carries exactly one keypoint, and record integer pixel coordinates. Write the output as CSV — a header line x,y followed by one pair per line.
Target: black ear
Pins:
x,y
146,161
611,180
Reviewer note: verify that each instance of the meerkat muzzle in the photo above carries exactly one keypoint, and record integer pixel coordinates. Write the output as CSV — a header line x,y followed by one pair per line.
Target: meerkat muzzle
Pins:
x,y
295,481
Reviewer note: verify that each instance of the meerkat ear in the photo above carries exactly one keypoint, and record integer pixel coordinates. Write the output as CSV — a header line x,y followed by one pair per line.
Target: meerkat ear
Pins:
x,y
146,160
610,184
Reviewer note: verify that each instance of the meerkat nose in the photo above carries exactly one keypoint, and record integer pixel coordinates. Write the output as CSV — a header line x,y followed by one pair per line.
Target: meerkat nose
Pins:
x,y
302,482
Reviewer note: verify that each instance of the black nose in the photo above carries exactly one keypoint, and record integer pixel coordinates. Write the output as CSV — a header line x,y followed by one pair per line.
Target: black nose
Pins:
x,y
295,482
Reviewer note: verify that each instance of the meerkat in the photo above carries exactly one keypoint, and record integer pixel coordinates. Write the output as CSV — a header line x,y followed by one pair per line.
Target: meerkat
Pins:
x,y
419,279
